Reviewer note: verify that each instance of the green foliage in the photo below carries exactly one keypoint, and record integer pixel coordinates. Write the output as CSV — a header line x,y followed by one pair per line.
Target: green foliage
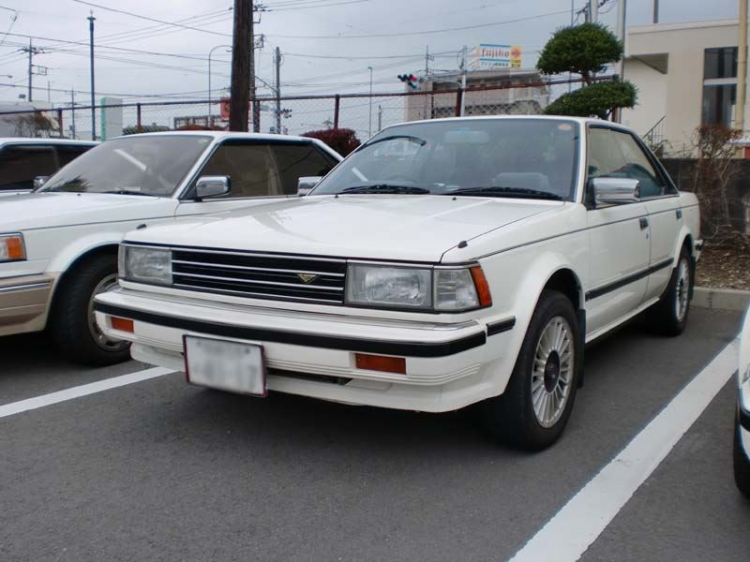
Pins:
x,y
596,100
582,49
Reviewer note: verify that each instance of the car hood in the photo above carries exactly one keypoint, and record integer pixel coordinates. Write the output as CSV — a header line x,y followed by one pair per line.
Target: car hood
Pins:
x,y
393,227
49,210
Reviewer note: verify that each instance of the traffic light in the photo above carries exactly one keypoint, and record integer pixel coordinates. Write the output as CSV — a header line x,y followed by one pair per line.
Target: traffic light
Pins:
x,y
411,80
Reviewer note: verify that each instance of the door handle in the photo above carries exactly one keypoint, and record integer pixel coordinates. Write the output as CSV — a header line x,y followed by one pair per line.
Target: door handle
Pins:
x,y
679,214
644,223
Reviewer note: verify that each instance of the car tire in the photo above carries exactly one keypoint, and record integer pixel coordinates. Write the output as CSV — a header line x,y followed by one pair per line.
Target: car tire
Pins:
x,y
532,412
669,316
741,464
72,326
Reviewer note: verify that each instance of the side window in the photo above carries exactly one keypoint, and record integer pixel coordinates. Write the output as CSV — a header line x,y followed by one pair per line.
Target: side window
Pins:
x,y
296,161
19,165
251,168
613,154
68,153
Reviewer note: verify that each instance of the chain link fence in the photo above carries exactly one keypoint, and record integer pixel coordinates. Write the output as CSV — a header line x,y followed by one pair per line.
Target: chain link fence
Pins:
x,y
295,115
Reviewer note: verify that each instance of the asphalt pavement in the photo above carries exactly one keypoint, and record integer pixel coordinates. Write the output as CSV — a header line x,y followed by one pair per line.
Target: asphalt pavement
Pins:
x,y
159,470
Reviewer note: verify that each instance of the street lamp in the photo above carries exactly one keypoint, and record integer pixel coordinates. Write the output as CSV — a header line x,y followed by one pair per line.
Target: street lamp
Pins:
x,y
369,128
209,77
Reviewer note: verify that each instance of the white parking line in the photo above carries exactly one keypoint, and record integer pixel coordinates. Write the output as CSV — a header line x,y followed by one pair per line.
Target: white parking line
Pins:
x,y
577,525
78,391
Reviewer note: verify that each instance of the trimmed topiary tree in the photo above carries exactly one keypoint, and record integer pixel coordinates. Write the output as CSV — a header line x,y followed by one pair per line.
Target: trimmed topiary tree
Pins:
x,y
586,49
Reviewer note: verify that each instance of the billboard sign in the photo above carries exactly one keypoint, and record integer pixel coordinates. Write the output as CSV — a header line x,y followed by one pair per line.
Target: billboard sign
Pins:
x,y
488,56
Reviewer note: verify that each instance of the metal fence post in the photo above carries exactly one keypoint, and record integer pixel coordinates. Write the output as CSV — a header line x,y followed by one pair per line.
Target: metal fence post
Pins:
x,y
459,100
336,111
60,121
139,126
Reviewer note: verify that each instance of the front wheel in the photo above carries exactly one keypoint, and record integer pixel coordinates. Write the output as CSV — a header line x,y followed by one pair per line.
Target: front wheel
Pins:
x,y
73,324
532,412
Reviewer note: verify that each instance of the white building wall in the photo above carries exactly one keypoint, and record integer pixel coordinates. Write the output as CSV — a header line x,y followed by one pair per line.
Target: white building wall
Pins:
x,y
652,96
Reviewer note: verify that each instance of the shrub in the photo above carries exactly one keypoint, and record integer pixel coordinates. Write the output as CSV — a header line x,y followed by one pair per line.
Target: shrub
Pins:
x,y
596,100
342,141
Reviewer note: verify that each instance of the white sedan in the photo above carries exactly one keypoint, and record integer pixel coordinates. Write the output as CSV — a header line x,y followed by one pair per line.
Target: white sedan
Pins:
x,y
742,418
58,245
474,268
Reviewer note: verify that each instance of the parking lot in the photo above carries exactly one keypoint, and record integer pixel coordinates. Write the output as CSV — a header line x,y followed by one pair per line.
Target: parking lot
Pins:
x,y
158,470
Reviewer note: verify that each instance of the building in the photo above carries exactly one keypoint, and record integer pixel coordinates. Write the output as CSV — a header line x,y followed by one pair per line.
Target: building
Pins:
x,y
686,75
442,97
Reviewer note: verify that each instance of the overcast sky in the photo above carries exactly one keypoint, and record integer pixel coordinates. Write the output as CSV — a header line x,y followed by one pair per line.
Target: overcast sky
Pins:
x,y
303,29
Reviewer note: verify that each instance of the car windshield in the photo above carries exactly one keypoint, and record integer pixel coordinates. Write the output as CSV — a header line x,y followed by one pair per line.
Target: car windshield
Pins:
x,y
513,157
140,165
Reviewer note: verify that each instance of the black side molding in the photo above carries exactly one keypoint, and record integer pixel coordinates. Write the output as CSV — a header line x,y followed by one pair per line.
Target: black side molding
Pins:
x,y
596,293
500,327
401,348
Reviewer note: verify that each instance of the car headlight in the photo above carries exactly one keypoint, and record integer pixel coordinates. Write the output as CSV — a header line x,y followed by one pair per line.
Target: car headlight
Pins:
x,y
441,290
147,265
12,247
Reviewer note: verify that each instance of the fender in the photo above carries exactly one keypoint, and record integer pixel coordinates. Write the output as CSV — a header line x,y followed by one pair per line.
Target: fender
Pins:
x,y
80,246
523,301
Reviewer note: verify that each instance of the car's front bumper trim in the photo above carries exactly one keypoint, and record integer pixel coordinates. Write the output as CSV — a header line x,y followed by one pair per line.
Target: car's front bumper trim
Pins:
x,y
386,347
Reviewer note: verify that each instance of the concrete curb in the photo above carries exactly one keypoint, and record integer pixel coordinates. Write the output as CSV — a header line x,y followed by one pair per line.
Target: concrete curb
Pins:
x,y
722,299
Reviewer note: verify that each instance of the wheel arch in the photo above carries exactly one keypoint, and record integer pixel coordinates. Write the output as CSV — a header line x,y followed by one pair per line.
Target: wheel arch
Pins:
x,y
66,274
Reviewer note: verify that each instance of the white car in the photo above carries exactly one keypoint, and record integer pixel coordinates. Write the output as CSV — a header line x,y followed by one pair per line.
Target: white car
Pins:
x,y
742,418
58,245
23,160
473,269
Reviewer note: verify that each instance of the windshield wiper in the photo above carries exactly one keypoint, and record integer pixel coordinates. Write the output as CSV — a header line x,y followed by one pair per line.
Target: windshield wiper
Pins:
x,y
128,192
386,188
412,138
506,192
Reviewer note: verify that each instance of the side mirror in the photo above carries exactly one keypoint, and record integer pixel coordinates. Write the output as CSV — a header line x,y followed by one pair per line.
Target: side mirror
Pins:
x,y
39,181
212,186
306,184
615,191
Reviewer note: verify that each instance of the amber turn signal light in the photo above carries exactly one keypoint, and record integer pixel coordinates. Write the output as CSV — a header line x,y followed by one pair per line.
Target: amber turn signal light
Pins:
x,y
483,288
122,324
381,363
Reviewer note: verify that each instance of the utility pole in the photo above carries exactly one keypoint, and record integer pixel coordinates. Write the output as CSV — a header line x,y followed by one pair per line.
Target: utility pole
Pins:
x,y
31,50
380,117
243,72
463,80
739,111
278,90
92,19
427,59
594,10
369,128
656,11
73,114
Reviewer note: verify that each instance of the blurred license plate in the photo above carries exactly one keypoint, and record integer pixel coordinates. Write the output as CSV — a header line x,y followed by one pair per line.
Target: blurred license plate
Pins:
x,y
225,365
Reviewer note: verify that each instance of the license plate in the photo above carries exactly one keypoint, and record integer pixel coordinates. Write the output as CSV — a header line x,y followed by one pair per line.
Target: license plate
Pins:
x,y
225,365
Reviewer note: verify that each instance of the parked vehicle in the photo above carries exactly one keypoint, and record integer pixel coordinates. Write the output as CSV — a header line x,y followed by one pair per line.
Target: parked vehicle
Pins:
x,y
22,160
473,269
742,416
58,245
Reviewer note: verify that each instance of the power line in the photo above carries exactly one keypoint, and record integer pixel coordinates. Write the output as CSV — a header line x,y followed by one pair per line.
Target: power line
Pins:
x,y
400,34
107,8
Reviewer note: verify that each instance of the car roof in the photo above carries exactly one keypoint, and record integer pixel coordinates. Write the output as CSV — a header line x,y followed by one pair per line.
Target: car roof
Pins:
x,y
34,140
583,121
222,135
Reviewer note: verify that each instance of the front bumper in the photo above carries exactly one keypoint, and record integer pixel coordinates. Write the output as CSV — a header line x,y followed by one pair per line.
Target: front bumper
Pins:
x,y
24,303
448,365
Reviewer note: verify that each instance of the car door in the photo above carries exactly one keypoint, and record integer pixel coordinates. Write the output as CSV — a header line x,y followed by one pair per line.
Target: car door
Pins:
x,y
664,214
21,163
619,238
257,170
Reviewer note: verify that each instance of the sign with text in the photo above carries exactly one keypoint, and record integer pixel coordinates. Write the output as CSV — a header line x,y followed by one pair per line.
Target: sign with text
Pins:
x,y
488,56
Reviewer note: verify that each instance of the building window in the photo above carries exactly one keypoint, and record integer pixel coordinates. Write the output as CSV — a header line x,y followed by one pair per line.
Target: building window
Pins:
x,y
719,86
720,63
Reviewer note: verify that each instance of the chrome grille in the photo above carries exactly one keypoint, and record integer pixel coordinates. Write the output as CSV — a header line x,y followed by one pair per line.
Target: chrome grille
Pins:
x,y
265,276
